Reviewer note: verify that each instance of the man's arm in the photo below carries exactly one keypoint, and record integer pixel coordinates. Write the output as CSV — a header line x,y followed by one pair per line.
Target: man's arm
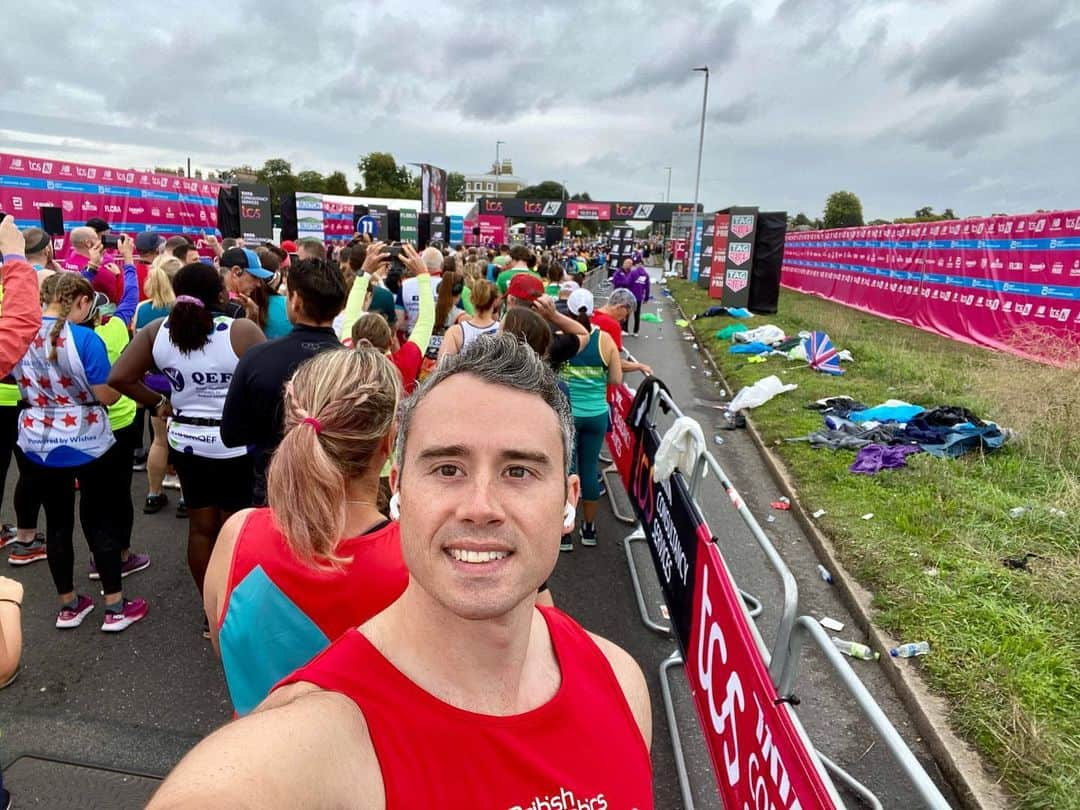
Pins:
x,y
301,748
238,418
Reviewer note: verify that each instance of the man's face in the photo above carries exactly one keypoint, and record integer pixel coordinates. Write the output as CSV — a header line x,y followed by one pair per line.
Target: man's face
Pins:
x,y
627,264
192,256
494,493
243,281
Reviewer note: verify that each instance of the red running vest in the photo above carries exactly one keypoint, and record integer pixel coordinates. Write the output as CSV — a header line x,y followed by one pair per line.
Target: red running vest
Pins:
x,y
582,750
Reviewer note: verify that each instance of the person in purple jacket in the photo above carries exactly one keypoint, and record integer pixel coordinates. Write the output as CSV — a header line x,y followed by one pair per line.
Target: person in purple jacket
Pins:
x,y
636,279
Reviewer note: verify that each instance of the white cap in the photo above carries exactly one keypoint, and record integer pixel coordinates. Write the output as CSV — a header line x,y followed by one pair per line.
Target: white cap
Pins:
x,y
568,287
580,299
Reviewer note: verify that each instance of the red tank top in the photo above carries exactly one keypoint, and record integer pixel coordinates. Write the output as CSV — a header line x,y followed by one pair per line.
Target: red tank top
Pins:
x,y
581,749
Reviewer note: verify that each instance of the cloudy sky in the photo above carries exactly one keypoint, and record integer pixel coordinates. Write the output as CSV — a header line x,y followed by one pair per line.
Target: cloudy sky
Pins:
x,y
969,104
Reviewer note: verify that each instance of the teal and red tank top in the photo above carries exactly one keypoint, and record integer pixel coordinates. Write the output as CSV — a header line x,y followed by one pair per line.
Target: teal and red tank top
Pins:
x,y
279,612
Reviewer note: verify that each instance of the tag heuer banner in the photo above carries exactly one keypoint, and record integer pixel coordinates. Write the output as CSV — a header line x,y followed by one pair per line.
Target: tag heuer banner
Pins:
x,y
742,230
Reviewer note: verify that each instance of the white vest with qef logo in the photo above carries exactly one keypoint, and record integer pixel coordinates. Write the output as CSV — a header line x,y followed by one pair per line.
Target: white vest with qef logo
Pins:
x,y
199,382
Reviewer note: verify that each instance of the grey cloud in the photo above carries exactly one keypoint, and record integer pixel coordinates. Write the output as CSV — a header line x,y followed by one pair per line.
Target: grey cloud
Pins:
x,y
735,112
958,130
975,49
714,44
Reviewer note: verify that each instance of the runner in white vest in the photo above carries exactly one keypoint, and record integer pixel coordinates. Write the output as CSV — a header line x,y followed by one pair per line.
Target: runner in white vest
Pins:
x,y
197,349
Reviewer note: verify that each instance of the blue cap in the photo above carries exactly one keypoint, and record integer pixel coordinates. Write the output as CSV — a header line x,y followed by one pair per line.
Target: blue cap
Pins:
x,y
246,259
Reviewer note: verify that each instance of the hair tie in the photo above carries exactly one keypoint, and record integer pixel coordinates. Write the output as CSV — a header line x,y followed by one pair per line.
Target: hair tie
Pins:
x,y
315,423
190,299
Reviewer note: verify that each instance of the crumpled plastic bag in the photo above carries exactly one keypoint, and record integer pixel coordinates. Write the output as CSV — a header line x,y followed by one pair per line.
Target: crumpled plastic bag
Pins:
x,y
759,393
651,317
763,334
682,444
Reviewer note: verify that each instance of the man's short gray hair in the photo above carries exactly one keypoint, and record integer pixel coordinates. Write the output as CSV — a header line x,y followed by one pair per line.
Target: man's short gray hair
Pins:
x,y
83,236
622,297
432,258
497,360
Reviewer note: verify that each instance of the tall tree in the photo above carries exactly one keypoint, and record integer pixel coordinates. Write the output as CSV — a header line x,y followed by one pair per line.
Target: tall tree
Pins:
x,y
309,180
383,177
277,174
799,220
843,210
948,213
547,190
336,183
455,187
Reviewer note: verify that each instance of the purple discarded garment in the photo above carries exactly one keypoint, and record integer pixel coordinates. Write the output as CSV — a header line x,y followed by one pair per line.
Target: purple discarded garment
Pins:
x,y
876,457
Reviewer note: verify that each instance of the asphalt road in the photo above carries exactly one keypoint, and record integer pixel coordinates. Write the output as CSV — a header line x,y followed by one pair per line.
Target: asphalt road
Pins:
x,y
135,702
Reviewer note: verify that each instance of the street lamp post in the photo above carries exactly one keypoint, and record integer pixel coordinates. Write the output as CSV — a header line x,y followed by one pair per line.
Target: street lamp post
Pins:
x,y
667,196
697,177
498,169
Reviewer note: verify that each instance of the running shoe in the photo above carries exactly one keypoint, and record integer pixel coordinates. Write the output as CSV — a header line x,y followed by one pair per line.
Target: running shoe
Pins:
x,y
171,482
73,617
133,610
206,628
138,461
134,562
181,509
5,799
8,533
155,503
588,534
567,543
603,484
26,553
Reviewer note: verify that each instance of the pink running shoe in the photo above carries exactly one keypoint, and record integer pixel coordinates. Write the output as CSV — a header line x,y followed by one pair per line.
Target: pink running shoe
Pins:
x,y
134,609
73,617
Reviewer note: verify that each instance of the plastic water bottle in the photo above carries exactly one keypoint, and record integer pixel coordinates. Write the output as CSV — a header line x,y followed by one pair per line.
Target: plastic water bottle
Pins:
x,y
854,649
823,572
910,650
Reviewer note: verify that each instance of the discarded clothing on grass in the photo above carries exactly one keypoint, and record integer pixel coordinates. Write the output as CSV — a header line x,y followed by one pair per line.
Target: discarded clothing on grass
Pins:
x,y
763,334
893,410
728,331
680,447
759,393
839,406
876,457
786,346
845,435
956,440
749,348
715,312
949,415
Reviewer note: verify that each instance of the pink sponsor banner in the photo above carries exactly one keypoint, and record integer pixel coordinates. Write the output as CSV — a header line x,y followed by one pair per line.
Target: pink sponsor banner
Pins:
x,y
587,210
760,755
977,280
337,220
129,200
492,229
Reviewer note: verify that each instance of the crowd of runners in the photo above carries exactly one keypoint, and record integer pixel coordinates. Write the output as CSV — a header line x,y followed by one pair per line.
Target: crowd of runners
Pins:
x,y
380,453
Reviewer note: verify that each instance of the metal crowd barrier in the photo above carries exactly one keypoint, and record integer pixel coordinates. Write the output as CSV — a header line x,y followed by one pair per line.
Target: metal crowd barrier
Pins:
x,y
782,659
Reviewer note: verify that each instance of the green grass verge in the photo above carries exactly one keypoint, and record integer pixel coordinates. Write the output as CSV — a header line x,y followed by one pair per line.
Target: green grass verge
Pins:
x,y
1005,644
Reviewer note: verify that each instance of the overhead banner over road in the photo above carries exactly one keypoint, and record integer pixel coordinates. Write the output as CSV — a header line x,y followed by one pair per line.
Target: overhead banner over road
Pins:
x,y
581,209
129,200
974,280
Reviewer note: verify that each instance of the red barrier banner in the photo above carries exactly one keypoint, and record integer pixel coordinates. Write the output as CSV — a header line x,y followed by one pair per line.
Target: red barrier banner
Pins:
x,y
130,201
760,755
620,439
974,280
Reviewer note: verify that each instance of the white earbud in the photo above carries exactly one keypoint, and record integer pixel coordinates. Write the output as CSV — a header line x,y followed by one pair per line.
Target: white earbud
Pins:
x,y
395,507
568,516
